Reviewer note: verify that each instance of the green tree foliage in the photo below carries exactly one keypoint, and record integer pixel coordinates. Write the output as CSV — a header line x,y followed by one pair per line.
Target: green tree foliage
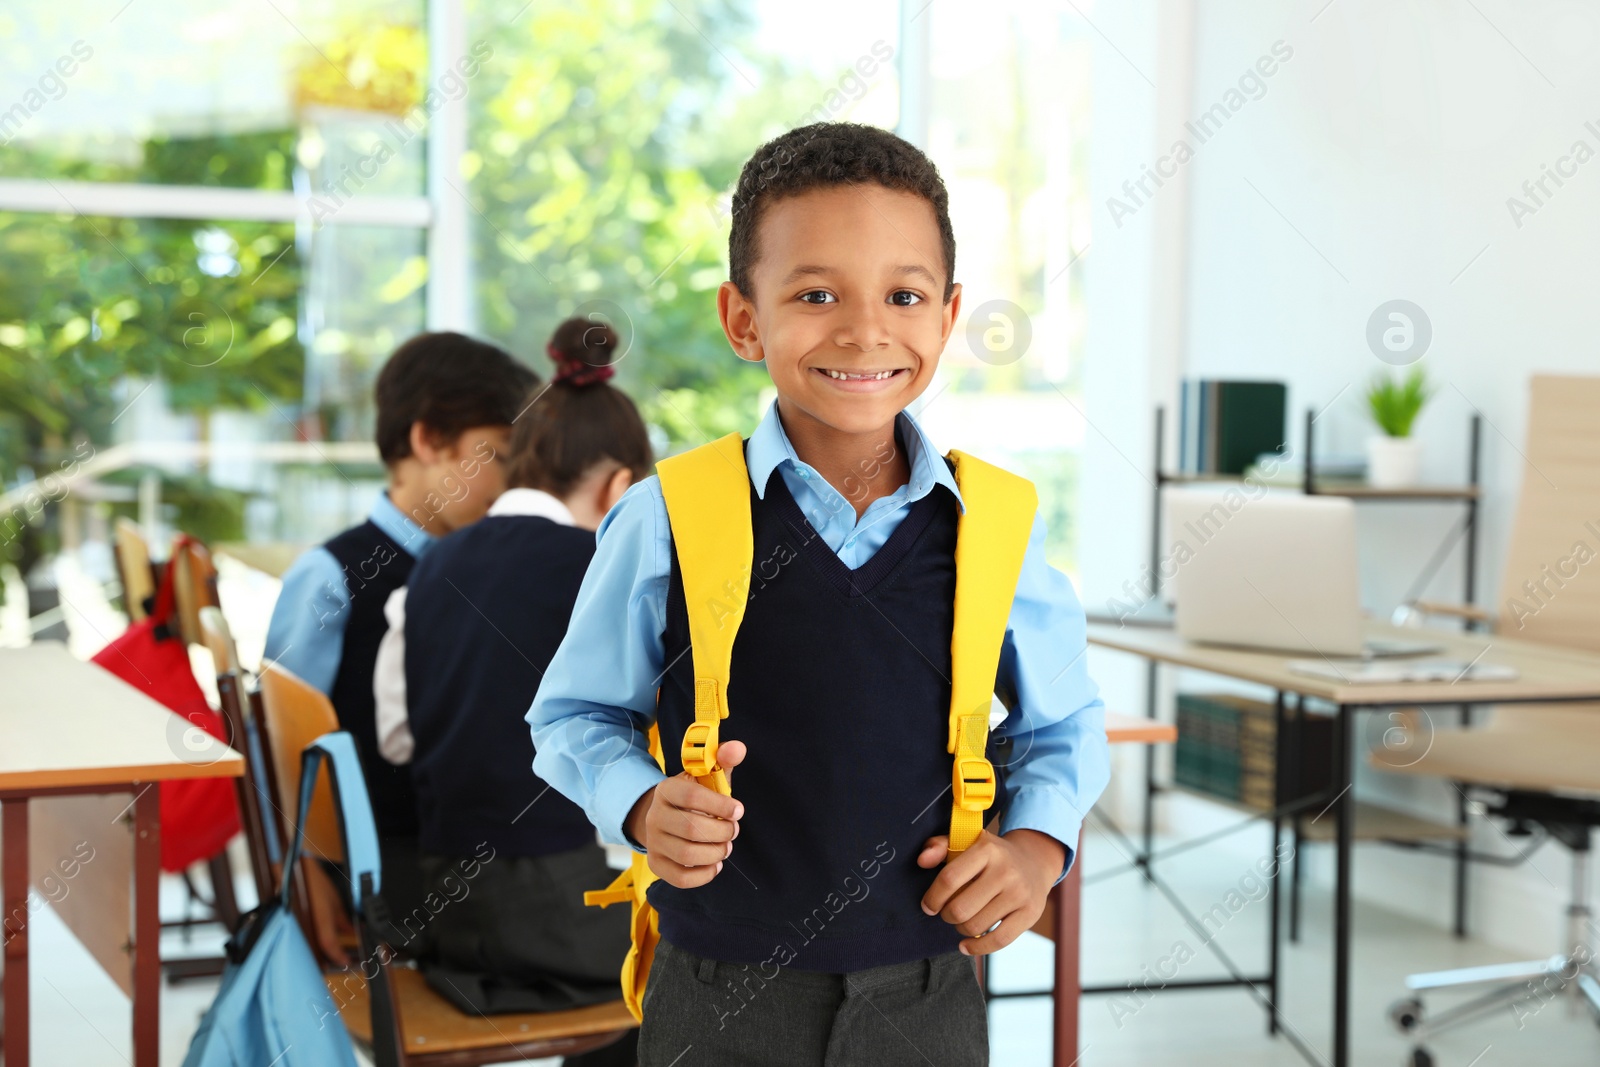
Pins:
x,y
606,137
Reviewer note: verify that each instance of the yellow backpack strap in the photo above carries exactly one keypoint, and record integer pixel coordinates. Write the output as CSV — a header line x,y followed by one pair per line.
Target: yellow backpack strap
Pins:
x,y
991,539
707,491
629,888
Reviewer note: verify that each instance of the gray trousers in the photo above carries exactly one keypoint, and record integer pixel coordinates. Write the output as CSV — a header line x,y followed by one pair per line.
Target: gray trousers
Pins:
x,y
704,1013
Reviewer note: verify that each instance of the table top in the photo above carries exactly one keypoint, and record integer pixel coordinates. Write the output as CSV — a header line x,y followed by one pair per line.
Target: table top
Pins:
x,y
268,557
69,723
1545,672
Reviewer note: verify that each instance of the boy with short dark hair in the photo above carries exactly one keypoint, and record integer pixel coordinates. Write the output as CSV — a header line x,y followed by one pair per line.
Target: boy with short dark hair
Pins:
x,y
445,407
831,938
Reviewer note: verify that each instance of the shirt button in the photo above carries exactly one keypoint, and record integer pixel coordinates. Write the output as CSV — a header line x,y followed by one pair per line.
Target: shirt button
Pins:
x,y
806,475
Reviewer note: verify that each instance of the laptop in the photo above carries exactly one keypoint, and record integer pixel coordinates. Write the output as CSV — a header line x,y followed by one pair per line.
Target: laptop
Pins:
x,y
1269,570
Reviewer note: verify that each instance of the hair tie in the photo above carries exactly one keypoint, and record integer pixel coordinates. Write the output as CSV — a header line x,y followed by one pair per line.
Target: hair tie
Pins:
x,y
575,370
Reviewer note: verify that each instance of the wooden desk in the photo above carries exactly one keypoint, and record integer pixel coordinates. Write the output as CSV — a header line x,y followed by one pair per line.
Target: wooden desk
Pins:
x,y
271,557
71,728
1546,675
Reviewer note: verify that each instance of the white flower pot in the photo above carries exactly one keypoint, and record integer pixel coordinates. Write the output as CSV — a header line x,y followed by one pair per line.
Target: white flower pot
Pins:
x,y
1393,462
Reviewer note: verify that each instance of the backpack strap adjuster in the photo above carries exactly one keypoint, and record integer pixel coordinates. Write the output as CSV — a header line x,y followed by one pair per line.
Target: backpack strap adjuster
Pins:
x,y
974,783
699,751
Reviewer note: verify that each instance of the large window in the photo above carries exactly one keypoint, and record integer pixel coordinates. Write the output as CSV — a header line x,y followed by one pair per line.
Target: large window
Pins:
x,y
1009,128
216,221
604,141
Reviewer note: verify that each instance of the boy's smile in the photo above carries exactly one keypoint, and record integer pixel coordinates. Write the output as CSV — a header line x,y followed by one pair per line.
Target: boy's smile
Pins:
x,y
848,314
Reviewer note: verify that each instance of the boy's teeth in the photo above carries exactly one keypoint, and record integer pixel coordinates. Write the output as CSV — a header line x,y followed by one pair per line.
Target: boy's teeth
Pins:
x,y
857,377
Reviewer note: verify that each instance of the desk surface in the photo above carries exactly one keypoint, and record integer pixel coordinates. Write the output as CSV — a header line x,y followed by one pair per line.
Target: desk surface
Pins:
x,y
1546,672
269,557
70,723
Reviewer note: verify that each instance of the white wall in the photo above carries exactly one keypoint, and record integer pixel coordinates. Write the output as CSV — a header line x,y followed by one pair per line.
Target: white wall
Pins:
x,y
1376,164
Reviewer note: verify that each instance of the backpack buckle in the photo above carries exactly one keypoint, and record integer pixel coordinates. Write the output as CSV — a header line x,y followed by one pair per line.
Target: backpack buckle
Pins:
x,y
699,751
973,782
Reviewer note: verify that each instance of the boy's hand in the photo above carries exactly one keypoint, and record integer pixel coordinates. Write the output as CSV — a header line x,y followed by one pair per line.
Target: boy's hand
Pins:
x,y
686,828
998,879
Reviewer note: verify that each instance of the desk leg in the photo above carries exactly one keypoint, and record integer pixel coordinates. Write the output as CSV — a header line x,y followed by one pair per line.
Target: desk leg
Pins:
x,y
1344,812
1273,923
146,925
1068,894
14,828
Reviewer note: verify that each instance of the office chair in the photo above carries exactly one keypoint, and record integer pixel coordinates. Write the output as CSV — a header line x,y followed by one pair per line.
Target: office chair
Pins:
x,y
1537,766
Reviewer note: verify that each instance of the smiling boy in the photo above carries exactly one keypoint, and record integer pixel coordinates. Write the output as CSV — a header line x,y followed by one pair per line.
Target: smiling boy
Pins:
x,y
838,933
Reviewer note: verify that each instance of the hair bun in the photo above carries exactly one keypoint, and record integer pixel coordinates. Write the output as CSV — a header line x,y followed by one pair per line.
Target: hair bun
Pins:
x,y
583,351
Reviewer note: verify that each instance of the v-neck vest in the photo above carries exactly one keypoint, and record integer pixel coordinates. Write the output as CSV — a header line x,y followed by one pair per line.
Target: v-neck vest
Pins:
x,y
840,688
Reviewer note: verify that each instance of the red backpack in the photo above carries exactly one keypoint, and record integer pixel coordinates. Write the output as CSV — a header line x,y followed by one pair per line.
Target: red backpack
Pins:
x,y
198,815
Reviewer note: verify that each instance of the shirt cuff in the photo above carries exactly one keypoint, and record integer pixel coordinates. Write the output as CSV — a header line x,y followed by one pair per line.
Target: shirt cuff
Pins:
x,y
617,791
1046,811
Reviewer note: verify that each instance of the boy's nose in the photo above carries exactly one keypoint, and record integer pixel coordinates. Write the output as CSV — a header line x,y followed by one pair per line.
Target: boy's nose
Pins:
x,y
865,330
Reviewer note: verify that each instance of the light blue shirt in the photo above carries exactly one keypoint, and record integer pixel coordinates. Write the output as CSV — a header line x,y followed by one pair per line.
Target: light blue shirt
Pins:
x,y
592,714
306,633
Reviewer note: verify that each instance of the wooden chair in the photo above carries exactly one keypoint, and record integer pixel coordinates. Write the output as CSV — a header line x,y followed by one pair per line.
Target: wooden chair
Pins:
x,y
195,590
237,714
427,1030
195,586
132,552
1540,764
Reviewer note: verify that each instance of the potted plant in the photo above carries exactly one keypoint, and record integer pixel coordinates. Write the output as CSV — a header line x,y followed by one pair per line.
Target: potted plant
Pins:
x,y
1394,457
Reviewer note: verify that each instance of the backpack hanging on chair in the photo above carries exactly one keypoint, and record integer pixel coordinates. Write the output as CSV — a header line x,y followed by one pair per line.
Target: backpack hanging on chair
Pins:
x,y
198,815
707,493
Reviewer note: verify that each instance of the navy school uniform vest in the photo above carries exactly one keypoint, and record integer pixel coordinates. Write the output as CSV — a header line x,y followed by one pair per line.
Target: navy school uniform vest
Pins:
x,y
375,565
839,686
486,609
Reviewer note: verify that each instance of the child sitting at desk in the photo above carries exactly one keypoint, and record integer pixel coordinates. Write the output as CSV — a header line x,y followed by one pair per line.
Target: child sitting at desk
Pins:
x,y
445,406
469,640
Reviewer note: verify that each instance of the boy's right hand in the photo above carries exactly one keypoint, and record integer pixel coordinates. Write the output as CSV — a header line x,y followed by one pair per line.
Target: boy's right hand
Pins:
x,y
686,828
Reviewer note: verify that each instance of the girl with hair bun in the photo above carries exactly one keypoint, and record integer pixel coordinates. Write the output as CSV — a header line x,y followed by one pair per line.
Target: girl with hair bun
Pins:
x,y
469,643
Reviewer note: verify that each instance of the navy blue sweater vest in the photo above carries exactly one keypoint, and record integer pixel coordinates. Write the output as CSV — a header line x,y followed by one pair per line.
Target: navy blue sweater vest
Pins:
x,y
374,566
486,610
840,687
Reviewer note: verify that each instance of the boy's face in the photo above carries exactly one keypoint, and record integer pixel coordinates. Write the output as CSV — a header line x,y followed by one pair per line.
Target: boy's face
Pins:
x,y
848,279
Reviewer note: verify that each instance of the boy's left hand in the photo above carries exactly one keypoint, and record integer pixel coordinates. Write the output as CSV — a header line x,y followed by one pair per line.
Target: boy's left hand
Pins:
x,y
998,879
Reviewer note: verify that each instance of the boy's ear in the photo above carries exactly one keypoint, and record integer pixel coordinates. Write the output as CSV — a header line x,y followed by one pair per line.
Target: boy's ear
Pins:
x,y
425,443
738,315
951,312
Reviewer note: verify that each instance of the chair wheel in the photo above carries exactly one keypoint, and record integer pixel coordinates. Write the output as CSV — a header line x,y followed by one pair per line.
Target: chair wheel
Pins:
x,y
1406,1014
1420,1057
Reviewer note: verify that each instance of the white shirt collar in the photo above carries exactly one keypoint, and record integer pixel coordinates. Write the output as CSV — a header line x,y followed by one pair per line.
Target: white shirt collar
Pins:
x,y
523,501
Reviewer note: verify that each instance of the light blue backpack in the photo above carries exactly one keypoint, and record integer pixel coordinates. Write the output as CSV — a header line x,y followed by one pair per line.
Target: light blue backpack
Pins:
x,y
273,1007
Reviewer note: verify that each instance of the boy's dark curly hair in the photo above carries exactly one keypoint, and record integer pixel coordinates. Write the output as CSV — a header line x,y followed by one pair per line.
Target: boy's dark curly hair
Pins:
x,y
826,154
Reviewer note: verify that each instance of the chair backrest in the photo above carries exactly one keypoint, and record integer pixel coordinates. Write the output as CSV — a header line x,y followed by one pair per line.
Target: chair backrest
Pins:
x,y
218,639
133,566
194,586
1550,588
295,715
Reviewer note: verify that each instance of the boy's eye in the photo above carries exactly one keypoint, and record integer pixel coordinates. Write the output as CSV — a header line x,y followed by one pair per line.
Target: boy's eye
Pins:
x,y
822,295
904,298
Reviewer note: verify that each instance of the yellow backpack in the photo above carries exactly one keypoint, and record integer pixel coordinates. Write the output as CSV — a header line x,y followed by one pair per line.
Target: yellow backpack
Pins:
x,y
707,491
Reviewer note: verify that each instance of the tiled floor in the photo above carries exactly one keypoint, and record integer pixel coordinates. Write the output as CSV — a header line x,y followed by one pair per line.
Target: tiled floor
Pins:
x,y
79,1018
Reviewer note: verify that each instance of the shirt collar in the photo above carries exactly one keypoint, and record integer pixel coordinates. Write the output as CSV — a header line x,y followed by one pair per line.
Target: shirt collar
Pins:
x,y
769,447
536,502
398,525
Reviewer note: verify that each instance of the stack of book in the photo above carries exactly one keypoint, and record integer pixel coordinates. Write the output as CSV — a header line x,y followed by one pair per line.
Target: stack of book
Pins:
x,y
1228,746
1225,426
